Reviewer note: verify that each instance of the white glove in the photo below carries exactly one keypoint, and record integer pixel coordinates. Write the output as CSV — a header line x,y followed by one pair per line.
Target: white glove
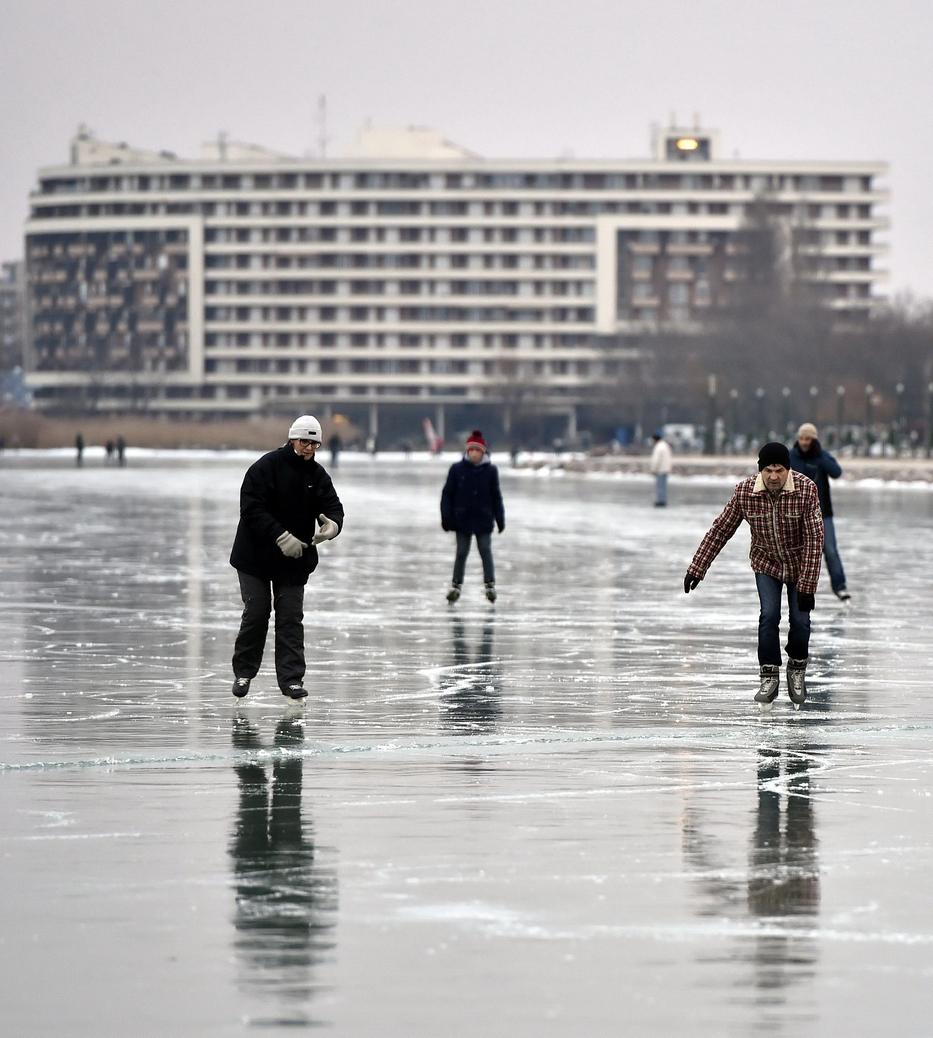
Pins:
x,y
290,545
329,529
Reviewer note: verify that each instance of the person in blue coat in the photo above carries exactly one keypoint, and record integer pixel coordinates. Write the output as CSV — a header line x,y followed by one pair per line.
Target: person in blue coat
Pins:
x,y
810,458
471,504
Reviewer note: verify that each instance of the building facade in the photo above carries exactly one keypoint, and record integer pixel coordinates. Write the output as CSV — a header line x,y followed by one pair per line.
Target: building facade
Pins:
x,y
410,275
12,315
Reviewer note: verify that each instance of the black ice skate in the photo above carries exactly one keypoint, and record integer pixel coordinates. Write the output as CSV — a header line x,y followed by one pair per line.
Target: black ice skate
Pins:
x,y
796,682
296,691
491,591
241,687
842,595
770,679
454,593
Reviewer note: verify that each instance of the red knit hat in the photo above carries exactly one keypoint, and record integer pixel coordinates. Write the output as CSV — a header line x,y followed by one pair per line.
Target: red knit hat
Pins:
x,y
475,439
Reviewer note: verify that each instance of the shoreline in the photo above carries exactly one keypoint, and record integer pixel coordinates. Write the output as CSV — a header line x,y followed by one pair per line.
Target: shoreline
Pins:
x,y
916,472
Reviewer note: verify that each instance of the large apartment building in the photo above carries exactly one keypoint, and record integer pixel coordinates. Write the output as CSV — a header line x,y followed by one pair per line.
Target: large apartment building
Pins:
x,y
12,315
409,277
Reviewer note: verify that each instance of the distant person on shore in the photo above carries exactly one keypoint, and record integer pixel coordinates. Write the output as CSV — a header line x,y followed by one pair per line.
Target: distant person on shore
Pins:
x,y
109,448
275,551
809,457
782,509
334,444
471,503
660,464
121,451
79,450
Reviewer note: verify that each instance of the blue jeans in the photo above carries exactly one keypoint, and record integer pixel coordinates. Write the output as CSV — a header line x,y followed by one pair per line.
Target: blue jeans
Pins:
x,y
769,620
660,488
837,576
484,543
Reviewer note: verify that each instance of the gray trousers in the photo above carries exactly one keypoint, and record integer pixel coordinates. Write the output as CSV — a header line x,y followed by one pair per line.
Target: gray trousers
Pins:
x,y
484,543
259,598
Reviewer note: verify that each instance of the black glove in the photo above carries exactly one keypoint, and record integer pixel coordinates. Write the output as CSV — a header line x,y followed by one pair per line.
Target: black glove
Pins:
x,y
804,601
500,527
445,526
691,583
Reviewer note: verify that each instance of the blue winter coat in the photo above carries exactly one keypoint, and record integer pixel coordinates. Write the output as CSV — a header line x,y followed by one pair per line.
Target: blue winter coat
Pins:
x,y
821,467
471,501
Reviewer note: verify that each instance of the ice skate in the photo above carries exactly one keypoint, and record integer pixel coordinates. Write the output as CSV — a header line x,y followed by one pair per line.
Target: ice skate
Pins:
x,y
241,687
770,679
796,682
295,691
491,591
454,593
843,595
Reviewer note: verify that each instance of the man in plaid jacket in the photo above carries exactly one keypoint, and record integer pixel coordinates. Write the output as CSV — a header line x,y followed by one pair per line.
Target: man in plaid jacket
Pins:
x,y
782,508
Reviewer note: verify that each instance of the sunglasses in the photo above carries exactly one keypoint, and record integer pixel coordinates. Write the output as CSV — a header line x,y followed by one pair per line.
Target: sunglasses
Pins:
x,y
309,443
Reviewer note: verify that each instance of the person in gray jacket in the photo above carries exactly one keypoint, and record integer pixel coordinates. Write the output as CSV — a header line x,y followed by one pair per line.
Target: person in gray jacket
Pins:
x,y
808,457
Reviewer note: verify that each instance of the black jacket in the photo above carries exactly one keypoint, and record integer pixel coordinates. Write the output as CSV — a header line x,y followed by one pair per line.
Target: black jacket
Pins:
x,y
821,467
282,492
471,500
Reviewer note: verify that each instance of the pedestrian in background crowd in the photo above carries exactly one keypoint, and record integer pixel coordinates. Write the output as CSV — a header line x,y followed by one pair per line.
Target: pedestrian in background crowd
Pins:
x,y
661,464
812,459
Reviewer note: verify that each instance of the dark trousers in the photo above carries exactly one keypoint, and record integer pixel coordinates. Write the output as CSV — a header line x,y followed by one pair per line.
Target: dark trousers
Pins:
x,y
259,597
837,575
769,642
484,543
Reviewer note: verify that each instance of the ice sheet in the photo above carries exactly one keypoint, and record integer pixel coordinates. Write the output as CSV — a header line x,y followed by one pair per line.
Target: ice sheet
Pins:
x,y
561,814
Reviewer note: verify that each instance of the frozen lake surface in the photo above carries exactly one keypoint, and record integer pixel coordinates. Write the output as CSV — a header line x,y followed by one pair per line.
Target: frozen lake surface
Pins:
x,y
558,815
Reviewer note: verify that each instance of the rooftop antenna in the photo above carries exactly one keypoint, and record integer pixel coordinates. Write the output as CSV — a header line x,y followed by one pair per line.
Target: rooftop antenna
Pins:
x,y
222,136
322,137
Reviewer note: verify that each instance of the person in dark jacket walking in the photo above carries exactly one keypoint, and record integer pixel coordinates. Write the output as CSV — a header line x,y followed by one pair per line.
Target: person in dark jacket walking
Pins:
x,y
471,503
275,551
810,458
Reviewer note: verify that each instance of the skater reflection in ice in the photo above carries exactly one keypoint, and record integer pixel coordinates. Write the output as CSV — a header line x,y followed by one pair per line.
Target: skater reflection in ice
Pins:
x,y
285,901
781,891
471,686
783,872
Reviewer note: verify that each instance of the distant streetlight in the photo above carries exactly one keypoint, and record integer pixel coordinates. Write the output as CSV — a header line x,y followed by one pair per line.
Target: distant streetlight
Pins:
x,y
711,414
734,397
785,410
840,413
760,411
869,392
929,421
899,428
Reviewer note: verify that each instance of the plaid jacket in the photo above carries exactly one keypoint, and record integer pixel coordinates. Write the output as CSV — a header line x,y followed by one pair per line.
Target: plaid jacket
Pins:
x,y
787,531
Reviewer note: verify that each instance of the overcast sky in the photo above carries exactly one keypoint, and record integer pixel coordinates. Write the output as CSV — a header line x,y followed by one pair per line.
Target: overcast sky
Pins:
x,y
799,79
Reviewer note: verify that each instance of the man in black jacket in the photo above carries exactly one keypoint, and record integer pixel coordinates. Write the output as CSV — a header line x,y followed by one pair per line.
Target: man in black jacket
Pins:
x,y
808,457
275,551
470,503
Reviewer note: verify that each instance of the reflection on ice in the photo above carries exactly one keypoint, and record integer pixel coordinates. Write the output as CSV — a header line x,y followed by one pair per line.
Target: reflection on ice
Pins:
x,y
285,901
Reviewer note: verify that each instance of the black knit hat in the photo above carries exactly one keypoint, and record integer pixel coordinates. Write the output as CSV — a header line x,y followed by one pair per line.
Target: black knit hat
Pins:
x,y
773,453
